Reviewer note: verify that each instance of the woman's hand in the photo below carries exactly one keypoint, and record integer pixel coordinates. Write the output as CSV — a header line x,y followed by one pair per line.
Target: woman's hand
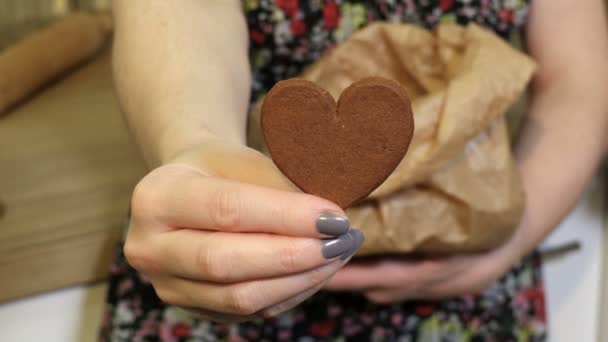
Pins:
x,y
558,154
221,232
389,280
216,228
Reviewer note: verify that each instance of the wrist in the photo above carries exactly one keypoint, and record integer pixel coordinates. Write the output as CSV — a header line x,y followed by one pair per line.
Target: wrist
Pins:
x,y
178,140
526,237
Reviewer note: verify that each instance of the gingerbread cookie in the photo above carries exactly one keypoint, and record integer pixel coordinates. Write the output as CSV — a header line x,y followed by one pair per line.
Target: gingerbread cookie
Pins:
x,y
339,152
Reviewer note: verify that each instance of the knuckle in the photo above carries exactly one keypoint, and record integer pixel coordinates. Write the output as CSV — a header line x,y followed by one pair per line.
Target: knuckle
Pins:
x,y
281,213
137,256
288,257
154,192
145,199
224,209
203,258
212,264
242,300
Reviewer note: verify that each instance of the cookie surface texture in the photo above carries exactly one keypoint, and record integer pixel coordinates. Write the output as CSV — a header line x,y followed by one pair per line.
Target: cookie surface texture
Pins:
x,y
340,152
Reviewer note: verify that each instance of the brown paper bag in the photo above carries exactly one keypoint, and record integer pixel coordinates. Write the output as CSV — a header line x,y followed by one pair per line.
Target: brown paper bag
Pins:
x,y
457,189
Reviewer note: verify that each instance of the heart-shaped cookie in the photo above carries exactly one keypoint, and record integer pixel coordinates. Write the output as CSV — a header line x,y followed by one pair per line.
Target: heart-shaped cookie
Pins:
x,y
339,152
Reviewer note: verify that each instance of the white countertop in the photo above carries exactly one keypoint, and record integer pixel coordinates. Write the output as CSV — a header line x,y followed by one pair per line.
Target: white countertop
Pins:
x,y
572,283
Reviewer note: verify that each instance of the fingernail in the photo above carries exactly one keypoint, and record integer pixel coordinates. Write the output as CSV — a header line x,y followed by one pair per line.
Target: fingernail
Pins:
x,y
338,246
332,224
358,239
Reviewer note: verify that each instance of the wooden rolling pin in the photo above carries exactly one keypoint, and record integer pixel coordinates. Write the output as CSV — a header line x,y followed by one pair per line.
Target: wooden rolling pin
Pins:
x,y
45,55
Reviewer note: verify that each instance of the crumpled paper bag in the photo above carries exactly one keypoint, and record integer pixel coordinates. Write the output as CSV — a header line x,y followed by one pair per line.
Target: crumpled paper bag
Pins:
x,y
458,188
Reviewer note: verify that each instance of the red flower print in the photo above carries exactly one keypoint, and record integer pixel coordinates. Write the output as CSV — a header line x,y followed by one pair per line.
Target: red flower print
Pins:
x,y
424,309
181,330
322,329
537,298
298,27
506,15
257,37
290,7
331,16
446,4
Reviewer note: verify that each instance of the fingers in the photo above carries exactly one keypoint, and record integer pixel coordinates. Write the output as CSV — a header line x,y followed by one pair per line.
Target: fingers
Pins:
x,y
476,275
246,298
290,303
457,285
366,275
428,279
232,250
390,273
270,312
192,200
384,296
232,257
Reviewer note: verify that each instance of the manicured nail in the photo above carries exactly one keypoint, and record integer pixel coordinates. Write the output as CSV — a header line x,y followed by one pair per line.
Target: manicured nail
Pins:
x,y
338,246
332,224
358,239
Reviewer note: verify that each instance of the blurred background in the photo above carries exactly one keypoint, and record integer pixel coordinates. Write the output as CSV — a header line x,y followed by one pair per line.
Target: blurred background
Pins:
x,y
67,167
20,17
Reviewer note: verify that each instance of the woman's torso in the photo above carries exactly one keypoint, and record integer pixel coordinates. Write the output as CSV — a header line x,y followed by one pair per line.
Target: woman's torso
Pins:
x,y
288,35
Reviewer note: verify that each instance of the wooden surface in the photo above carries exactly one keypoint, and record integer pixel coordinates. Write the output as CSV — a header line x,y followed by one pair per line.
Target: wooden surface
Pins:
x,y
21,17
67,169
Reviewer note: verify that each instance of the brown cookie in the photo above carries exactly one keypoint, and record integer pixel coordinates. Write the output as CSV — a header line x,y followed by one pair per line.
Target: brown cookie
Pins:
x,y
339,152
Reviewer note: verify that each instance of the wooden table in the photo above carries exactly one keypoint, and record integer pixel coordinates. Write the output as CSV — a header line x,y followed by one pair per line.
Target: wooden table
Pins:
x,y
67,169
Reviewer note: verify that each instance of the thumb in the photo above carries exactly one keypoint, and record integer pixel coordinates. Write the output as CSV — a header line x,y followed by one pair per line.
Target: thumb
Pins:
x,y
236,162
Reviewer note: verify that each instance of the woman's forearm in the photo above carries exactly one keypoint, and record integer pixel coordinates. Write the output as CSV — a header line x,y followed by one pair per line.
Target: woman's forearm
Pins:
x,y
182,73
565,136
561,147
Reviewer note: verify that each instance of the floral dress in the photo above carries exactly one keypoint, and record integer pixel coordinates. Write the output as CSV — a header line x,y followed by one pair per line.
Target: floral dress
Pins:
x,y
286,36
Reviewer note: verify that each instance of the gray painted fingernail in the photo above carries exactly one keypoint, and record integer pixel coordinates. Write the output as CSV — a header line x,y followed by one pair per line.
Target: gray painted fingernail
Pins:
x,y
332,224
335,247
358,239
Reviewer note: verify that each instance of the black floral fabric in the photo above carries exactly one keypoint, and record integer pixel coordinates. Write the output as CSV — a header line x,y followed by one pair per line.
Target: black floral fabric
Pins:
x,y
286,36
